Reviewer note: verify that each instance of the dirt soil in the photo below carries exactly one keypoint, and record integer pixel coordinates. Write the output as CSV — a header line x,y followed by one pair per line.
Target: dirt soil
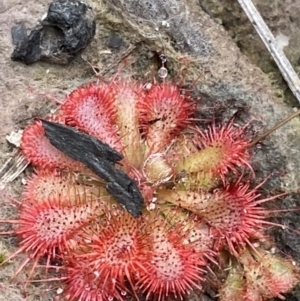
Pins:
x,y
195,44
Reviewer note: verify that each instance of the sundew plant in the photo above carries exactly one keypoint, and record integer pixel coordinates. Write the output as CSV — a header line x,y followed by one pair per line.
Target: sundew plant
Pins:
x,y
200,214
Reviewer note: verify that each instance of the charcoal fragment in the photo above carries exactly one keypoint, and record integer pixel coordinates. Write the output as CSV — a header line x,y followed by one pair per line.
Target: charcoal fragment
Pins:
x,y
67,29
78,145
100,158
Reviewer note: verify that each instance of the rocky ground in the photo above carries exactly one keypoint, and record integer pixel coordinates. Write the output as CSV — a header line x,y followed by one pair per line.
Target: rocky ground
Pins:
x,y
208,38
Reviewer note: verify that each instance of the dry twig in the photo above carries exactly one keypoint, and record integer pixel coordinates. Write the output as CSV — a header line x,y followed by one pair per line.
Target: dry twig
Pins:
x,y
278,55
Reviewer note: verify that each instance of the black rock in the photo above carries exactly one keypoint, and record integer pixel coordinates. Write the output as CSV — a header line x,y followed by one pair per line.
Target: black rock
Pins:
x,y
68,28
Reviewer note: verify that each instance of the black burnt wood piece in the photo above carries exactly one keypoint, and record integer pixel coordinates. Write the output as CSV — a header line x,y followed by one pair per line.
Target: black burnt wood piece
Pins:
x,y
98,157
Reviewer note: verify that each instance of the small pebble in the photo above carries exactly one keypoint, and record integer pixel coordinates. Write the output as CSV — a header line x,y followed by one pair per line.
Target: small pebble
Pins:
x,y
115,41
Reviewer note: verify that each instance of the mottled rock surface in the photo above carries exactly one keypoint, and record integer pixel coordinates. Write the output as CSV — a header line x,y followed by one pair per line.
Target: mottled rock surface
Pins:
x,y
192,40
